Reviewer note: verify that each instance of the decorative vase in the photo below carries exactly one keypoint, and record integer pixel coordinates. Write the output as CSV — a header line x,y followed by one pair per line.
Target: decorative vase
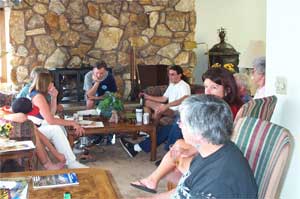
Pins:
x,y
106,112
114,117
3,139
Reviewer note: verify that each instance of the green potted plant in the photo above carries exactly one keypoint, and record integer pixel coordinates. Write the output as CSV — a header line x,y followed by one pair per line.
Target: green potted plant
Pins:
x,y
110,102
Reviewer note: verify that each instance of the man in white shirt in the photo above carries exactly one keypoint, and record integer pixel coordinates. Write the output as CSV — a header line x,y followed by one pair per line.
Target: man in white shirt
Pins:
x,y
176,92
259,67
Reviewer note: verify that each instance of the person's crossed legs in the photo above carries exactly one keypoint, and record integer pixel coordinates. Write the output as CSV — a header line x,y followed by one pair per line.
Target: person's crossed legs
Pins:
x,y
168,166
155,107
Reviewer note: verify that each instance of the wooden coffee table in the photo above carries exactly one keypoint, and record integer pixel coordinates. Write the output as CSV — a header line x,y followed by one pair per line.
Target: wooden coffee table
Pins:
x,y
93,183
121,127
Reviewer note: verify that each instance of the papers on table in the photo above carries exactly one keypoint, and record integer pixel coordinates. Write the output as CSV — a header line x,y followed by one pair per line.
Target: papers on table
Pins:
x,y
89,112
91,124
16,146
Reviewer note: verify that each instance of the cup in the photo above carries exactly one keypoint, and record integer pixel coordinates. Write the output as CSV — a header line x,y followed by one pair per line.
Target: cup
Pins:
x,y
76,117
139,115
83,141
146,118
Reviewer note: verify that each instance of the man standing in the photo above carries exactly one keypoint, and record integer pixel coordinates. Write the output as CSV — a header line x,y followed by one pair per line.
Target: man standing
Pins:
x,y
97,82
176,92
259,67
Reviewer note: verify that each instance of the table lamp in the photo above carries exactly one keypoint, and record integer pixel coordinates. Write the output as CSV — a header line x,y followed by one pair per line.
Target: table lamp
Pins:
x,y
256,48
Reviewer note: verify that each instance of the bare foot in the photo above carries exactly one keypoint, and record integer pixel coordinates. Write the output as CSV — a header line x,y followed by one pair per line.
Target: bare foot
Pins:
x,y
51,166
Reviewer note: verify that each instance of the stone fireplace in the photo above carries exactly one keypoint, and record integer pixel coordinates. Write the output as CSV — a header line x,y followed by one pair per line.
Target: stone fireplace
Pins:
x,y
78,33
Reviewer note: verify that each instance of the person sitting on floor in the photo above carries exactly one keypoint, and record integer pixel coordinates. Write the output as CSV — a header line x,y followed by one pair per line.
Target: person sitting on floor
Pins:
x,y
217,81
212,165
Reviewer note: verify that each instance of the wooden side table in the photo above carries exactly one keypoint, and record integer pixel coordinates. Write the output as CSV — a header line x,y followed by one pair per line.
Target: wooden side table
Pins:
x,y
27,155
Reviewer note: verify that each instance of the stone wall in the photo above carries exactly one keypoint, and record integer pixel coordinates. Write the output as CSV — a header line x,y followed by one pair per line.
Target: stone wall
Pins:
x,y
72,33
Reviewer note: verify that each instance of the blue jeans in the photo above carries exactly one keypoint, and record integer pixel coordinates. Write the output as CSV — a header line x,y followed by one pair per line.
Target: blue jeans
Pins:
x,y
169,133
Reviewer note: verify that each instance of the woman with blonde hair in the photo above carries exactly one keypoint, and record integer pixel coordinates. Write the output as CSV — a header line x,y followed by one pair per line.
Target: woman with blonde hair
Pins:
x,y
53,127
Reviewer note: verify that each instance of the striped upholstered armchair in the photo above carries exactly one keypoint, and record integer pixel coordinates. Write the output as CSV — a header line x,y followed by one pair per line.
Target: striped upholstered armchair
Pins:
x,y
268,148
262,108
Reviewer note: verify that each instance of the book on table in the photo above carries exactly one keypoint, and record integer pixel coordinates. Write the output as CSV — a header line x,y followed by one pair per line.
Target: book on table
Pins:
x,y
57,180
11,188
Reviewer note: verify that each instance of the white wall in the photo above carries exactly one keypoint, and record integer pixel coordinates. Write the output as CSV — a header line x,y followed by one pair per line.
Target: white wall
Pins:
x,y
283,43
244,20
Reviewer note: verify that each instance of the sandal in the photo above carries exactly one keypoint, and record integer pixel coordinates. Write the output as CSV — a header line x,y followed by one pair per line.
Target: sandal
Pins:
x,y
143,187
86,158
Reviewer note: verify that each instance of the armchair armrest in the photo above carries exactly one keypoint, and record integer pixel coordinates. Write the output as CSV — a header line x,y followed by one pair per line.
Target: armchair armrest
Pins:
x,y
22,131
156,90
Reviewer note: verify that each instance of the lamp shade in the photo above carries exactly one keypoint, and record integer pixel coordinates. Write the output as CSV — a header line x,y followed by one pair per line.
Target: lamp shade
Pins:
x,y
256,48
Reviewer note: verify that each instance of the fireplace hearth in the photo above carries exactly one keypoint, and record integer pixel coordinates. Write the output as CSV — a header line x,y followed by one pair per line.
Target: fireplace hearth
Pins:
x,y
69,83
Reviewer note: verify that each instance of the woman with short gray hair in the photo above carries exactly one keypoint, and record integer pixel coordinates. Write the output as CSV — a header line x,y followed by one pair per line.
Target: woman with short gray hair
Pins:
x,y
211,166
210,119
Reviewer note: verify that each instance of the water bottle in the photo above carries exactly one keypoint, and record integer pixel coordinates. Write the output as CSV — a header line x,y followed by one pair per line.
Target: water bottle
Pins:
x,y
142,100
